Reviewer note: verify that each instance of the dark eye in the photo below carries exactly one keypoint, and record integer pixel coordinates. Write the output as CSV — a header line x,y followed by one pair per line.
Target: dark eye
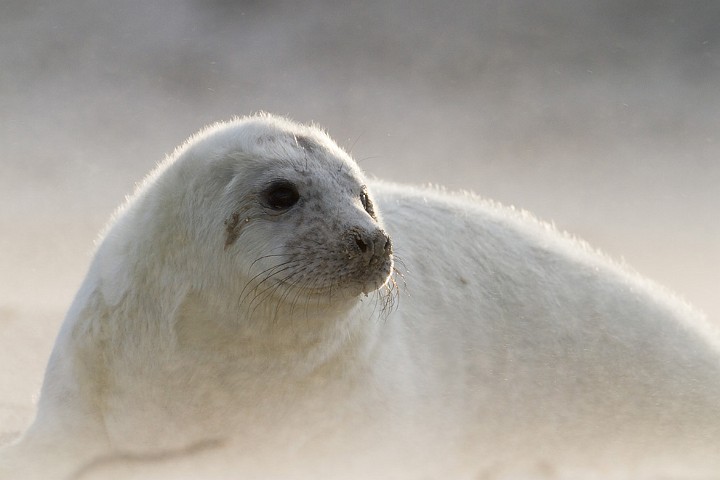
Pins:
x,y
367,203
281,195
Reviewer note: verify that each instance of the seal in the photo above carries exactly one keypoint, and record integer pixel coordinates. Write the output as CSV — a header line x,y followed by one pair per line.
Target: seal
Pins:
x,y
259,307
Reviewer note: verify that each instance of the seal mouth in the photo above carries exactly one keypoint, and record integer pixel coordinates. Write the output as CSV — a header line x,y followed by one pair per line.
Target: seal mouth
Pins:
x,y
377,273
379,282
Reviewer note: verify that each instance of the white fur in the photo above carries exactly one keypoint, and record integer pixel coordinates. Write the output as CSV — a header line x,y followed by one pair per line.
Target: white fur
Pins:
x,y
513,351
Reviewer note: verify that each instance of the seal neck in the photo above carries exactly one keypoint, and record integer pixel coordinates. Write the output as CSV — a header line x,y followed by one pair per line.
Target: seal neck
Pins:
x,y
287,337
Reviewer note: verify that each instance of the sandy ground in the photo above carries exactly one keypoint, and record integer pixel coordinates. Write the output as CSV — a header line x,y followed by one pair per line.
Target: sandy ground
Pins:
x,y
602,118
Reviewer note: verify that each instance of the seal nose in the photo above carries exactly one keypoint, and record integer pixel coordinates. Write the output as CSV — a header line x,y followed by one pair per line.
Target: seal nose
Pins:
x,y
372,246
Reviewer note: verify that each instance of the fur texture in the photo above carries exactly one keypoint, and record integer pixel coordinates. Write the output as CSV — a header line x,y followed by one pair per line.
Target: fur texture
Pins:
x,y
217,337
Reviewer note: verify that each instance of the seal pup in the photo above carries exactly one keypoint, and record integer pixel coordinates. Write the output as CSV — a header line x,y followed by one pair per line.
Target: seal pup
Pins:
x,y
238,320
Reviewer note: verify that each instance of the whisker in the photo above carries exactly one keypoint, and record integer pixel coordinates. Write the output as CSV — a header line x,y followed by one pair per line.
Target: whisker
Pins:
x,y
263,258
268,273
260,297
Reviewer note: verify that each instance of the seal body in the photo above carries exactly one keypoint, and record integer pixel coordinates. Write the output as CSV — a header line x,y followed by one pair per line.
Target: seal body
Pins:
x,y
259,308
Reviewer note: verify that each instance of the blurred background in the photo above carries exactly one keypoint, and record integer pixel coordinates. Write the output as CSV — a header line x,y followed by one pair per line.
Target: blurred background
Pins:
x,y
601,117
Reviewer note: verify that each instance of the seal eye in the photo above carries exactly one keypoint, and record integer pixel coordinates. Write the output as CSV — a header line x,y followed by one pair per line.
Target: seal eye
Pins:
x,y
281,195
367,203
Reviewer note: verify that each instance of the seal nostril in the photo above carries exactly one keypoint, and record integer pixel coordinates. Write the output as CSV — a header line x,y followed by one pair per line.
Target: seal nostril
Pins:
x,y
361,245
370,245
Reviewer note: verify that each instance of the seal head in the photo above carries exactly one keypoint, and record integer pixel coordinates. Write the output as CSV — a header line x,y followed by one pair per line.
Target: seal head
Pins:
x,y
268,211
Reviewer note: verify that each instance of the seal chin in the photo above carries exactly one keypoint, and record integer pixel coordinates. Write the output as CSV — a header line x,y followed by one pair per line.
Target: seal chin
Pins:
x,y
380,279
367,289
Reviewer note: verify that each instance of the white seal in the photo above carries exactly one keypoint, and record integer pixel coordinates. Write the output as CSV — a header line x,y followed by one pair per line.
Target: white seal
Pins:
x,y
259,308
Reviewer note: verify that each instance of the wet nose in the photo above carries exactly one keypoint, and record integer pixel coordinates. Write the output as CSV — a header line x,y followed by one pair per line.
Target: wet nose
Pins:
x,y
371,246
